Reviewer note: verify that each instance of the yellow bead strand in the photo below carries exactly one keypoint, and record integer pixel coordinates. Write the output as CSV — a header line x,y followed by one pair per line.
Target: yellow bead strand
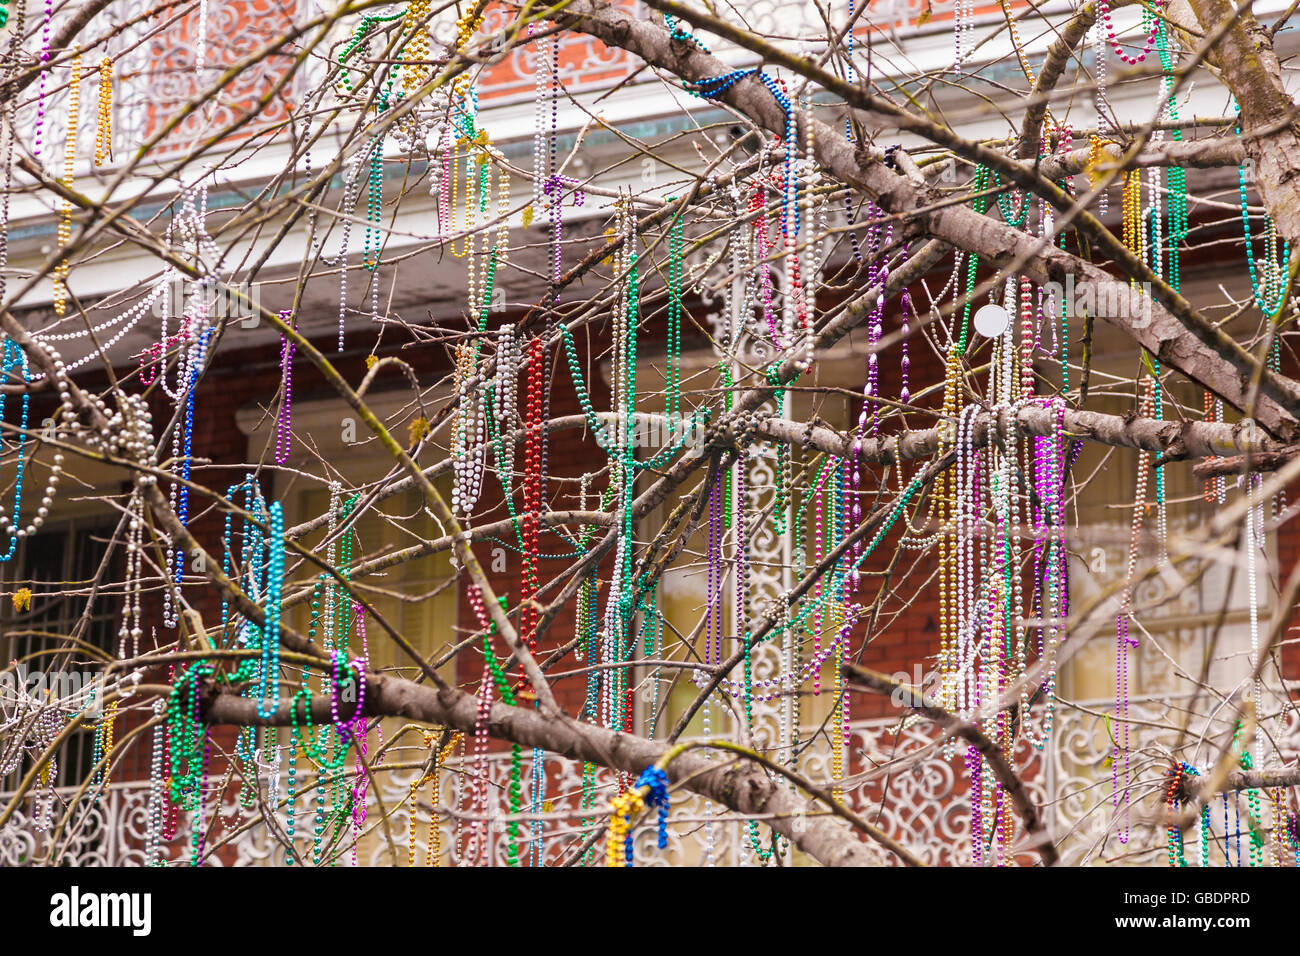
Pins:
x,y
416,54
433,853
107,741
1133,214
942,510
104,114
410,843
466,27
69,167
622,810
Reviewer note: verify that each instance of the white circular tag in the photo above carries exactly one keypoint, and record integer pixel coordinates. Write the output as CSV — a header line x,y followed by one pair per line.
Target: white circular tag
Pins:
x,y
991,320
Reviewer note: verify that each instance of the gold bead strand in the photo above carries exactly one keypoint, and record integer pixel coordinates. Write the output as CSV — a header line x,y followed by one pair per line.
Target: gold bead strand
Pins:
x,y
416,56
466,27
1096,154
410,844
941,510
106,744
104,113
69,167
434,852
1133,214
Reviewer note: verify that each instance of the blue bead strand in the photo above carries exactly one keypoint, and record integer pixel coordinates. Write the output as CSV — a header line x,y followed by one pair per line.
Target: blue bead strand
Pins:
x,y
187,444
657,780
13,356
715,86
1268,308
788,204
269,678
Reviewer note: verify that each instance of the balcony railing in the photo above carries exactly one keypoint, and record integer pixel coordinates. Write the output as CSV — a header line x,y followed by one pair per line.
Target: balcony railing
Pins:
x,y
925,805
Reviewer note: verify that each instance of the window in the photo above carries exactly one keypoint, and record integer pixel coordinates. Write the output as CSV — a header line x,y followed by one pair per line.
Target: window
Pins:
x,y
59,565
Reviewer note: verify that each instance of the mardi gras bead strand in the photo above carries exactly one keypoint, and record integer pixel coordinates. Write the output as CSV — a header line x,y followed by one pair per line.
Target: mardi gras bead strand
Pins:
x,y
342,627
434,852
741,611
284,421
790,218
1049,586
268,677
69,169
1104,9
542,104
514,790
1099,78
963,25
372,241
43,79
318,794
180,492
360,737
130,632
476,847
879,276
952,641
1254,541
8,112
351,190
538,805
467,434
412,822
815,609
188,745
554,185
672,371
329,584
291,785
1133,214
762,253
14,358
157,800
532,495
813,207
104,113
1276,805
651,790
618,844
1253,818
1121,772
249,579
794,303
940,505
959,585
1176,176
505,395
1273,280
1096,154
1174,835
620,603
841,621
468,25
416,52
102,750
